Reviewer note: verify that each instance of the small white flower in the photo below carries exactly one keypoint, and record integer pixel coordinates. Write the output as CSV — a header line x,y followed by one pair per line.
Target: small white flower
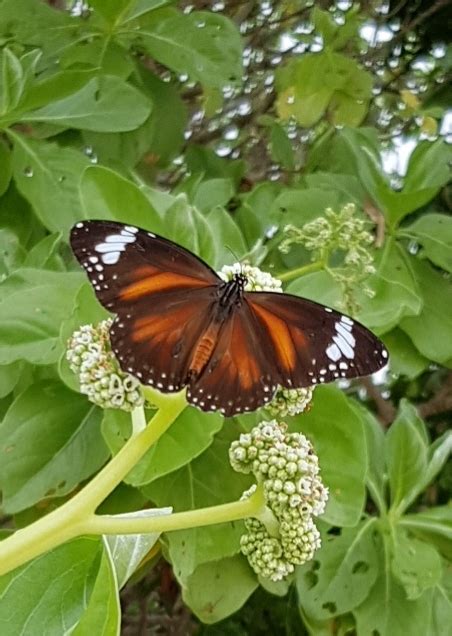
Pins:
x,y
90,357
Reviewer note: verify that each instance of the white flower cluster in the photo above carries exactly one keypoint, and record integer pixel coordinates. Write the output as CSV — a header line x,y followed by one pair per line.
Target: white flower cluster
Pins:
x,y
90,357
289,402
287,467
257,279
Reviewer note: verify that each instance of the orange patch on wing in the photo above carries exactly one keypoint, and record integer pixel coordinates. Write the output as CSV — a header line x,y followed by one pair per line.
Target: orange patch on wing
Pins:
x,y
153,283
153,326
248,368
204,347
280,336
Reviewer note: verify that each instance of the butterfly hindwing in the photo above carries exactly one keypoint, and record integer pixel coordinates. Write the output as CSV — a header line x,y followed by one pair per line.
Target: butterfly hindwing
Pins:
x,y
239,375
312,343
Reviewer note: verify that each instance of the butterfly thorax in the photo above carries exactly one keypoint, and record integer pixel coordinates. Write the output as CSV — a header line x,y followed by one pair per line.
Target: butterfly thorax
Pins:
x,y
231,292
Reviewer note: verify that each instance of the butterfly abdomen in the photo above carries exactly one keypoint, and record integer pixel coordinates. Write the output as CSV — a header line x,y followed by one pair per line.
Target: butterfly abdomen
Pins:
x,y
203,350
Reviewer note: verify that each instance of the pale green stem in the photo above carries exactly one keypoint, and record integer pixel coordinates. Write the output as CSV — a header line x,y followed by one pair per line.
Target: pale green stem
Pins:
x,y
302,271
70,519
254,506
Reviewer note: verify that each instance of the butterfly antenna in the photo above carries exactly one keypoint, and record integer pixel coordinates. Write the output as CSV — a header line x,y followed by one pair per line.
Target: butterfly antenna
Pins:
x,y
238,260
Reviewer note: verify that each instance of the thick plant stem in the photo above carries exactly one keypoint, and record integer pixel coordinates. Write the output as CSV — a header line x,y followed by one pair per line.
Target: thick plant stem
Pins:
x,y
254,506
71,518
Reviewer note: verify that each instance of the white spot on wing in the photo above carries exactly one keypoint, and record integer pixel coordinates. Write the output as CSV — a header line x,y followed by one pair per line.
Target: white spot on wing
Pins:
x,y
333,352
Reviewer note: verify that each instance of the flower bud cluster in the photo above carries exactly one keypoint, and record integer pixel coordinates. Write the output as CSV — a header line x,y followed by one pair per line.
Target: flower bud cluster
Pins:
x,y
287,467
343,233
90,357
289,402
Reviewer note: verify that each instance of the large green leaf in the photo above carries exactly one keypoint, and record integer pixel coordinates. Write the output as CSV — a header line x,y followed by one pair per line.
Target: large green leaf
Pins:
x,y
387,611
434,233
106,195
102,615
104,104
406,452
50,441
219,588
336,431
395,288
415,564
207,481
404,358
204,45
188,437
431,330
47,175
185,225
33,304
342,573
52,590
229,241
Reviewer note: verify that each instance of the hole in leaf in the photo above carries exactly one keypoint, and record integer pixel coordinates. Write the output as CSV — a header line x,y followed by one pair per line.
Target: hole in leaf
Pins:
x,y
330,607
61,484
360,567
315,566
311,580
97,95
335,531
375,632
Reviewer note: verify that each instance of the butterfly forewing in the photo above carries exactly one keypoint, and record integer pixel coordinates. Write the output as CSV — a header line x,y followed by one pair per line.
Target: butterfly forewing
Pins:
x,y
161,292
312,343
127,265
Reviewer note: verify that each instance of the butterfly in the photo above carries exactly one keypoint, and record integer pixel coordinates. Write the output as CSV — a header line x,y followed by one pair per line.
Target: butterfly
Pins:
x,y
178,324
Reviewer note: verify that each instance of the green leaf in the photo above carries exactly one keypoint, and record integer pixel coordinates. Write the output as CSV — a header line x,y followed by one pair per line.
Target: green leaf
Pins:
x,y
427,172
281,147
375,443
158,139
434,233
342,573
102,616
404,358
44,253
54,88
213,193
204,45
128,550
50,441
206,481
185,225
318,286
387,611
11,82
53,589
415,564
6,169
433,521
315,82
396,290
33,305
230,245
442,603
187,438
9,377
104,104
106,195
47,175
219,588
336,431
12,254
438,454
431,330
406,452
